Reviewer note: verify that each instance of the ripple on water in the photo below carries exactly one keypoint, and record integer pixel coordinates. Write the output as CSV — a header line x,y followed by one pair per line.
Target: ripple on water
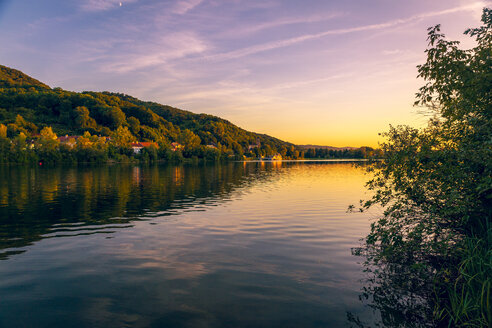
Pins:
x,y
237,245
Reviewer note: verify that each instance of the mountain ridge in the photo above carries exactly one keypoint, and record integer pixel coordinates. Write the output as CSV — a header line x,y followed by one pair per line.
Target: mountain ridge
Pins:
x,y
27,105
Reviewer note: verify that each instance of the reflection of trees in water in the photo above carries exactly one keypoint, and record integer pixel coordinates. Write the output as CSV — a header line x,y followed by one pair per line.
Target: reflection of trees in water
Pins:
x,y
398,293
38,203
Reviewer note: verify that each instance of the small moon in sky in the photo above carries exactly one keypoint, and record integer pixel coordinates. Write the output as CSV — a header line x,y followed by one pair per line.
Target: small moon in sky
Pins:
x,y
121,4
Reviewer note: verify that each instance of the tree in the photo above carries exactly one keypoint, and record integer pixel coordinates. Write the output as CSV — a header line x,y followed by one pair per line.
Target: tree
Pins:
x,y
20,121
48,140
82,119
84,141
188,139
3,131
48,134
112,117
435,184
134,124
122,137
20,141
4,144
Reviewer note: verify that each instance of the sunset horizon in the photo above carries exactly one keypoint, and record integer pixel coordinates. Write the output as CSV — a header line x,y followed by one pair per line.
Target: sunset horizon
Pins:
x,y
326,74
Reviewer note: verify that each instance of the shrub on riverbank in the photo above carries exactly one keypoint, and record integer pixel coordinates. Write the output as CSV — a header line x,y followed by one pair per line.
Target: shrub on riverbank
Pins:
x,y
430,251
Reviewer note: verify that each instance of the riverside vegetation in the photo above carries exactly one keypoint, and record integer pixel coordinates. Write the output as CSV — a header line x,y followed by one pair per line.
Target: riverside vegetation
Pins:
x,y
429,255
101,127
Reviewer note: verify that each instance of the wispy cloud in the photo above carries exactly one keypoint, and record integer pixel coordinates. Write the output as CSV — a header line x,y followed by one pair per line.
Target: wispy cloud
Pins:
x,y
183,6
392,52
101,5
161,51
254,28
292,41
303,83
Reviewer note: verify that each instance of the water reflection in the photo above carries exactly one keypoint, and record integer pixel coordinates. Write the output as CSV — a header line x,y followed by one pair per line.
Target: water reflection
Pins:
x,y
38,203
236,245
399,294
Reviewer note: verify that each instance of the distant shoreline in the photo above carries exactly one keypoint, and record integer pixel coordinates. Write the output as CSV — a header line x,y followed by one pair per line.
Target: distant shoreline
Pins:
x,y
309,160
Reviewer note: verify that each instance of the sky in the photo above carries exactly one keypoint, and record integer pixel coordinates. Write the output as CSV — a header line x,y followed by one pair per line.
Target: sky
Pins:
x,y
321,72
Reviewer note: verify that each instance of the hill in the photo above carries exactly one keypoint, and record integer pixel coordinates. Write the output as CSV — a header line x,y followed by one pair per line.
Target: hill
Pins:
x,y
28,105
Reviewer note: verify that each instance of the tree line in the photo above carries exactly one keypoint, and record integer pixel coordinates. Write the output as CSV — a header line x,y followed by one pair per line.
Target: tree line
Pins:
x,y
357,153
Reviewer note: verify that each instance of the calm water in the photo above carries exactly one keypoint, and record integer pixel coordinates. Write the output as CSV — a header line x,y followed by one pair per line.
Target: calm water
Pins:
x,y
235,245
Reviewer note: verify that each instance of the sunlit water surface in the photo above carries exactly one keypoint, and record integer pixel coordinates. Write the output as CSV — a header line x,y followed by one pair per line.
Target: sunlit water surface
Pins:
x,y
234,245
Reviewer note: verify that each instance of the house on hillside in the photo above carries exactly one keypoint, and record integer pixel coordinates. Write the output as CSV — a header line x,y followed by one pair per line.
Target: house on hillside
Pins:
x,y
138,146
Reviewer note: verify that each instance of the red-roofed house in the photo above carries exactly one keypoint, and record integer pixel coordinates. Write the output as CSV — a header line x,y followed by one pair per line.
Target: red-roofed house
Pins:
x,y
138,146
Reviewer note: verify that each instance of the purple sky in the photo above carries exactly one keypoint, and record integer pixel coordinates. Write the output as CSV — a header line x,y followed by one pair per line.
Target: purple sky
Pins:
x,y
319,72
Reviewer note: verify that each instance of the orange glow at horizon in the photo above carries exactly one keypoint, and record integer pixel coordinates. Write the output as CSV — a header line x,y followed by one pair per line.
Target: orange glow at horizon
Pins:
x,y
328,73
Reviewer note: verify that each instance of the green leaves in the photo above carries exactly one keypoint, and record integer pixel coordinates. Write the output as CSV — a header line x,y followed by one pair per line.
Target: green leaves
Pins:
x,y
435,183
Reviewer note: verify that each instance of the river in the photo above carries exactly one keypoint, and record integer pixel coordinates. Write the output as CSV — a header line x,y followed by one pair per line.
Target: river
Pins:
x,y
227,245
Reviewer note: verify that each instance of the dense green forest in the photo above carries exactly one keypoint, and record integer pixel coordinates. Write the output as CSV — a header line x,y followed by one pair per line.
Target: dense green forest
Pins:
x,y
31,112
429,254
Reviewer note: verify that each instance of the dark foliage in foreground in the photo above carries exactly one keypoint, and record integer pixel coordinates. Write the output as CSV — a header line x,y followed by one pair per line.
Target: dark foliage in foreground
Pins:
x,y
429,255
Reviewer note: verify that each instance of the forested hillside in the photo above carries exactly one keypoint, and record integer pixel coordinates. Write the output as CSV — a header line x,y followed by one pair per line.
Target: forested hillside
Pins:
x,y
27,106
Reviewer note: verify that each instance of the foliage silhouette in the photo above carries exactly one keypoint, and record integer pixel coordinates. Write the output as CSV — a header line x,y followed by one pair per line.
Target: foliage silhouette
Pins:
x,y
429,255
